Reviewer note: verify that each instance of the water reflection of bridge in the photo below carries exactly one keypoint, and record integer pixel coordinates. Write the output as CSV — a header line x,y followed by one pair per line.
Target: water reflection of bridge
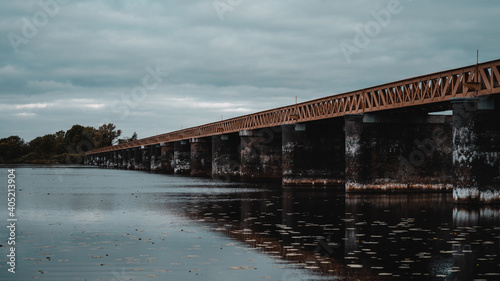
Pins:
x,y
374,237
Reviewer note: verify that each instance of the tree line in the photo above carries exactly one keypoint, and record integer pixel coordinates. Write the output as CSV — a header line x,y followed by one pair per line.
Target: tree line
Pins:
x,y
62,147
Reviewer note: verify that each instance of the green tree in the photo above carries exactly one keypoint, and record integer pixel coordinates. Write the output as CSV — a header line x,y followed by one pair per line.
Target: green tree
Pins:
x,y
106,135
127,139
60,142
45,145
79,139
12,148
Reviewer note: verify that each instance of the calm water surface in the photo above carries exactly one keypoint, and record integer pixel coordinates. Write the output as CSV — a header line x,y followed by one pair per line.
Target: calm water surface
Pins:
x,y
86,223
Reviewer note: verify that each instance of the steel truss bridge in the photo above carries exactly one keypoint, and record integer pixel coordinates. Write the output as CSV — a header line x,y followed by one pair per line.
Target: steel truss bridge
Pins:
x,y
431,89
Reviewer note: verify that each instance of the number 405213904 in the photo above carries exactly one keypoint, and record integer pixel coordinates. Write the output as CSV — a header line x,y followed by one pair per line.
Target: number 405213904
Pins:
x,y
11,195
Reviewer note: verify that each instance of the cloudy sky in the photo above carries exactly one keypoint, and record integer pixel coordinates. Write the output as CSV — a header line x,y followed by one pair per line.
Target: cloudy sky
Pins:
x,y
154,66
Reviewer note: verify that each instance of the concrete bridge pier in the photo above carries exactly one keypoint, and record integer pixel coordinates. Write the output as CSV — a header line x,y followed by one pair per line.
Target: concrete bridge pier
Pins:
x,y
182,157
313,153
155,152
119,159
146,158
124,159
355,150
476,150
398,152
103,159
201,157
130,159
226,157
167,157
137,159
109,159
260,154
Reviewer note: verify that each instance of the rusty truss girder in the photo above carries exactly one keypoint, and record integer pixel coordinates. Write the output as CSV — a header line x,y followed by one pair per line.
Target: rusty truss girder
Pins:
x,y
482,79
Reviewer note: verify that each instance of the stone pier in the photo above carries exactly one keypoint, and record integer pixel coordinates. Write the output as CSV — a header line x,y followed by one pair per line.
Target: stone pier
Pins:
x,y
155,152
398,152
137,163
167,158
201,157
260,155
476,150
313,153
182,157
226,157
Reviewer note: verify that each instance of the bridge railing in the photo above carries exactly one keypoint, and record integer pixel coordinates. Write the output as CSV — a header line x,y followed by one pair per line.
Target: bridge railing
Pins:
x,y
482,79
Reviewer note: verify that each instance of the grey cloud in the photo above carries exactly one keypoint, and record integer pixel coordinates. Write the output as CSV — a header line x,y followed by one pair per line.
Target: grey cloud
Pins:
x,y
262,55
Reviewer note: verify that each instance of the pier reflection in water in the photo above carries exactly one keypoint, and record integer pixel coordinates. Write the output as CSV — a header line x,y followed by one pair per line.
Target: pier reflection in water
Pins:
x,y
366,237
99,224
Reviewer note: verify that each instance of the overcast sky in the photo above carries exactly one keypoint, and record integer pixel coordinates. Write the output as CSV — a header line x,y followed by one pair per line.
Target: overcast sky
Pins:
x,y
158,66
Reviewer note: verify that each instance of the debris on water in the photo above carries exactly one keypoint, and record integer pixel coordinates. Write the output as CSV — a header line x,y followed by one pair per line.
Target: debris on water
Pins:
x,y
241,267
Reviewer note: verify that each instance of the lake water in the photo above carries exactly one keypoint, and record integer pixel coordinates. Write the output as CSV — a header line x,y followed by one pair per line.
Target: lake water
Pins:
x,y
87,223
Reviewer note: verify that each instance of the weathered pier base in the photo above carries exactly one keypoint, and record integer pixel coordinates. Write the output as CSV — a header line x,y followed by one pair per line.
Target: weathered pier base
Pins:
x,y
201,157
167,158
260,155
476,150
137,163
155,151
182,157
398,152
130,159
119,159
313,153
146,158
226,157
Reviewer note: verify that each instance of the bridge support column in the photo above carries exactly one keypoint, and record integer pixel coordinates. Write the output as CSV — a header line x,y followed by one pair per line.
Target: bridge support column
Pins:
x,y
226,157
119,159
313,153
102,159
260,154
146,158
398,152
182,157
155,152
125,159
167,157
109,159
130,159
137,158
476,150
201,157
355,160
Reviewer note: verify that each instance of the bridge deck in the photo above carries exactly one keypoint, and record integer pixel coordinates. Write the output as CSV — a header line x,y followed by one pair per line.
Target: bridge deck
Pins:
x,y
480,80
